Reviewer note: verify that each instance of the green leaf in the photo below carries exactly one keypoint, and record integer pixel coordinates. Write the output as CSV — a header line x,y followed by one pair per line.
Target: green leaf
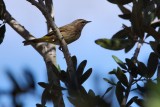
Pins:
x,y
122,77
151,31
128,48
80,68
125,16
119,92
121,2
85,76
113,44
43,84
137,18
123,34
109,81
131,101
2,9
123,9
119,62
108,89
132,67
2,33
139,102
143,70
74,60
91,93
152,64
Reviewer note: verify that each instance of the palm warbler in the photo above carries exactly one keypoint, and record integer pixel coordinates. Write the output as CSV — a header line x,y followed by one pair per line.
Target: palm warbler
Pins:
x,y
71,32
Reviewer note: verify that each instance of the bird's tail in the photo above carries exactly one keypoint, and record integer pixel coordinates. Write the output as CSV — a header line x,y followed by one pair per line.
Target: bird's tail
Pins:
x,y
28,42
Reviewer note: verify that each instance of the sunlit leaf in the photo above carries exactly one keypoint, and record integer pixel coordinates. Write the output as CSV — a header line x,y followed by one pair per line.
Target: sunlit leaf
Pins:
x,y
119,62
113,44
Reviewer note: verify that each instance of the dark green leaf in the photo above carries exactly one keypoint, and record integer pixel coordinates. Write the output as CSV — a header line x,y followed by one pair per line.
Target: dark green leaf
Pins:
x,y
74,60
2,9
109,81
132,67
139,102
125,16
151,31
44,85
128,48
123,34
119,92
114,71
131,101
124,10
143,70
80,68
152,64
113,44
91,93
122,77
137,18
155,47
108,89
121,2
85,76
149,12
119,62
2,33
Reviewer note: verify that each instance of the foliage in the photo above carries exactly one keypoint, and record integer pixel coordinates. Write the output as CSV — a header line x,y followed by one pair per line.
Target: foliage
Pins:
x,y
132,75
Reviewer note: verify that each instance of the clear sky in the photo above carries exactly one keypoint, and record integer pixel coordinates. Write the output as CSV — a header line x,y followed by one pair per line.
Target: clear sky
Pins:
x,y
105,23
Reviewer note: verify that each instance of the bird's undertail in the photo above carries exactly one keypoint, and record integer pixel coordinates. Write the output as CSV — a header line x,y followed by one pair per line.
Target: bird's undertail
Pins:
x,y
28,42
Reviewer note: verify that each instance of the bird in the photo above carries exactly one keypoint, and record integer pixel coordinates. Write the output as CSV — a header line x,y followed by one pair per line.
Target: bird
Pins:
x,y
70,32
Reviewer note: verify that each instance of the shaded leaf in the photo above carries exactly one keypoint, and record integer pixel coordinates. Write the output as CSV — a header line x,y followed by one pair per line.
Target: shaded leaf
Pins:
x,y
151,31
43,84
2,33
139,102
80,68
131,101
91,93
2,9
74,60
108,89
122,77
121,2
136,18
119,62
119,92
109,81
132,67
152,64
125,16
143,70
123,9
85,76
113,44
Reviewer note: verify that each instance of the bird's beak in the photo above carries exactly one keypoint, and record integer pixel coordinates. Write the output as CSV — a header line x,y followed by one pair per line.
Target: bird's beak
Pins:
x,y
88,21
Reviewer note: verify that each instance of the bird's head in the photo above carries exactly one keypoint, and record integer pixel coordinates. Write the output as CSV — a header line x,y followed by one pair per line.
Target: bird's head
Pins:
x,y
80,23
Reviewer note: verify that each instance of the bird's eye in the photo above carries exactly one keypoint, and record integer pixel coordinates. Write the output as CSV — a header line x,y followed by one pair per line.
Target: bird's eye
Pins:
x,y
83,22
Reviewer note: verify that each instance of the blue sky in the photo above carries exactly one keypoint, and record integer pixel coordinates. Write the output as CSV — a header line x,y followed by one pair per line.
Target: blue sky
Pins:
x,y
105,23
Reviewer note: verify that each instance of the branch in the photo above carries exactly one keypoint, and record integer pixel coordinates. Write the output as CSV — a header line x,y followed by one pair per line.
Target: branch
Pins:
x,y
52,25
